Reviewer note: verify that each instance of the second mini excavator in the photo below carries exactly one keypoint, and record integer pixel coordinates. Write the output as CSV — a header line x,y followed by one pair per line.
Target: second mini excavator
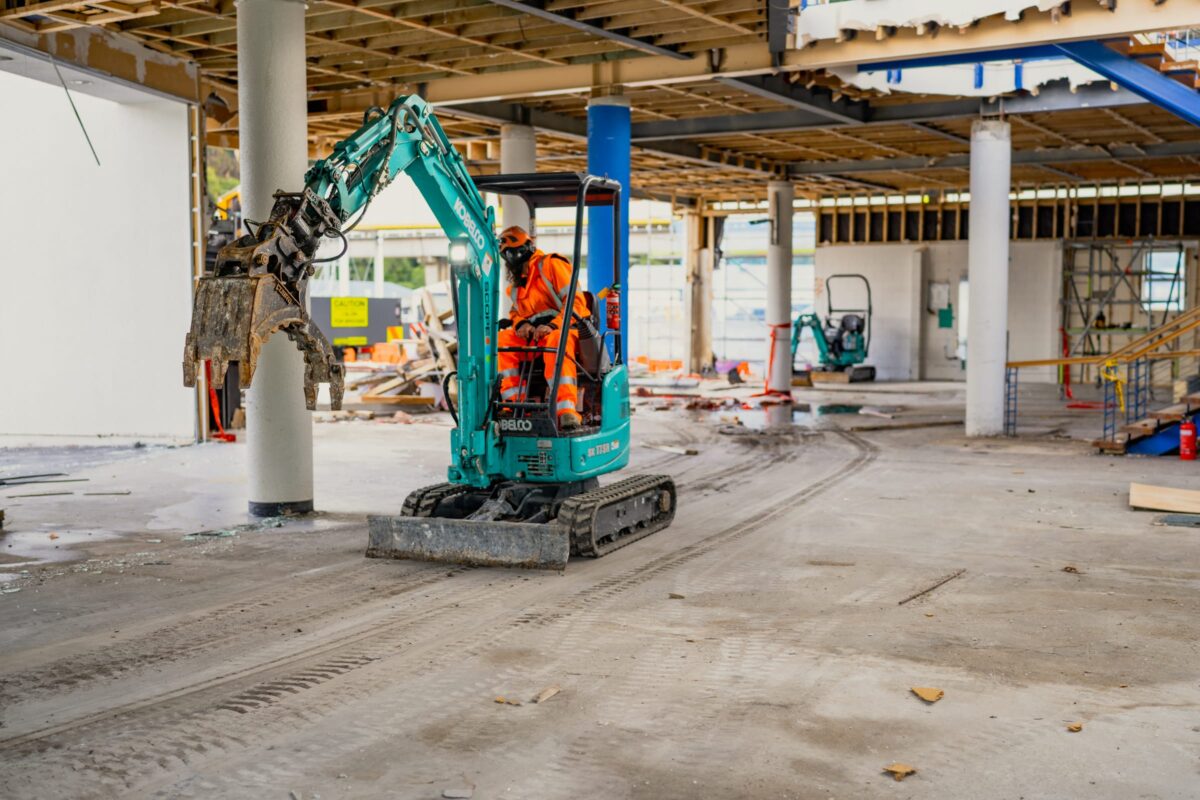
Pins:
x,y
520,491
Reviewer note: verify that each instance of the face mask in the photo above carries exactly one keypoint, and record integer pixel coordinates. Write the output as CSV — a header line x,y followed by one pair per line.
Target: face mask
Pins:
x,y
517,257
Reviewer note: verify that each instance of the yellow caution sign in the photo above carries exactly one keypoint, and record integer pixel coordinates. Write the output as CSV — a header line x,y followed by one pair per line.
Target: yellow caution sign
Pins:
x,y
348,312
350,341
395,333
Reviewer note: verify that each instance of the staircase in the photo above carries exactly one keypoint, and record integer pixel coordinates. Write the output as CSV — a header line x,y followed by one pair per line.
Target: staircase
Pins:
x,y
1157,434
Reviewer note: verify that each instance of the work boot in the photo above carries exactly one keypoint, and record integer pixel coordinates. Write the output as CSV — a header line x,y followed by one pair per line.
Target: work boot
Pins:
x,y
569,422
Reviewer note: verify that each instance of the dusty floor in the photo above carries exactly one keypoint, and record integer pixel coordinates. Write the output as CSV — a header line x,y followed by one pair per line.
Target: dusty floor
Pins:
x,y
139,661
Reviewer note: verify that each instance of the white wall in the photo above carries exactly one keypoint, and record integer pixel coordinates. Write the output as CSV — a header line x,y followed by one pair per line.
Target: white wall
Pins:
x,y
907,343
95,270
894,272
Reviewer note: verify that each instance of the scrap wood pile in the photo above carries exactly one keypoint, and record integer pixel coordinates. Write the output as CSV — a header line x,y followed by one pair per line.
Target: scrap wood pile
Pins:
x,y
400,382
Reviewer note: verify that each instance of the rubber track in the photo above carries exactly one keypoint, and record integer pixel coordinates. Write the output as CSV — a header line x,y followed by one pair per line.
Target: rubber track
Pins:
x,y
578,513
422,502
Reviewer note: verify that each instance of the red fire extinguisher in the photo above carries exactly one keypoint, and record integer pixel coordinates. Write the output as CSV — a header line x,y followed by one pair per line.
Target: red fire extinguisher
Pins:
x,y
1187,441
612,308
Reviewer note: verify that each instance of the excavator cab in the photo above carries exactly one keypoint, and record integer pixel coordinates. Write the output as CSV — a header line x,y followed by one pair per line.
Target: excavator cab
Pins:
x,y
535,416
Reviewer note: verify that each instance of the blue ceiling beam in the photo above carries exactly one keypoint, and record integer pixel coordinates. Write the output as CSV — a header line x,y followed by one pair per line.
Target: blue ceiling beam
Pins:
x,y
1144,81
1033,53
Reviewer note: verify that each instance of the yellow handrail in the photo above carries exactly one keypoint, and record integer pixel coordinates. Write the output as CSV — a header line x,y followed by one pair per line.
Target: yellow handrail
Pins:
x,y
1162,335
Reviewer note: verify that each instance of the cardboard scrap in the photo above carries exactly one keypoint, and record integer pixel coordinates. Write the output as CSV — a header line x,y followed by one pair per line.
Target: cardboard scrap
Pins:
x,y
899,771
928,694
547,693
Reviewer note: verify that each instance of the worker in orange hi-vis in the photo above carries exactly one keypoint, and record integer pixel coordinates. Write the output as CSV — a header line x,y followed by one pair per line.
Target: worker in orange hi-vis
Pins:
x,y
538,287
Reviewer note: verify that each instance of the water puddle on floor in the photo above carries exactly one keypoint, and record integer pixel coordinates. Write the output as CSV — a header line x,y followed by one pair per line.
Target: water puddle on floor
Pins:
x,y
42,547
778,415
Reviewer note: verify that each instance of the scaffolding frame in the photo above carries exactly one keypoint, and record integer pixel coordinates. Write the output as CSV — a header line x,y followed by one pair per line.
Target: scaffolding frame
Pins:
x,y
1094,273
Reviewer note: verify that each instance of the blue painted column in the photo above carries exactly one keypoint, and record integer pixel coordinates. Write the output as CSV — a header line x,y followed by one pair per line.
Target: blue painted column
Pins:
x,y
608,156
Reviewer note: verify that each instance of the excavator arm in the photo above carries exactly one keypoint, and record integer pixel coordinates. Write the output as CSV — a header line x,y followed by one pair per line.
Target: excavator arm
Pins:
x,y
258,285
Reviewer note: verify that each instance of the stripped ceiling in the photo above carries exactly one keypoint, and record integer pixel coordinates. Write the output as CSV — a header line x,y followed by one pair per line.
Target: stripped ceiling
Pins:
x,y
718,136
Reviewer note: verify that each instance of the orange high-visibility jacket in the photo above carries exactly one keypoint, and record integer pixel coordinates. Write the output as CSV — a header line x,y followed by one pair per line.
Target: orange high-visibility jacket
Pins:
x,y
546,287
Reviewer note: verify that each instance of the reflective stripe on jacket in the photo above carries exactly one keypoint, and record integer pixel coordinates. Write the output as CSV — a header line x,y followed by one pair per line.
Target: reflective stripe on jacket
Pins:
x,y
545,289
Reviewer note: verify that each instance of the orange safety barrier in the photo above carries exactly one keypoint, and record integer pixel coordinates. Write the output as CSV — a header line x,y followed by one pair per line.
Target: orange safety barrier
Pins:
x,y
660,365
388,353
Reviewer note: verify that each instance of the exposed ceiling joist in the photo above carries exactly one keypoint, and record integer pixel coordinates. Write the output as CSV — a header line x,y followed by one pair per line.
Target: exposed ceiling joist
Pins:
x,y
1087,21
818,101
1057,98
1058,156
573,127
537,8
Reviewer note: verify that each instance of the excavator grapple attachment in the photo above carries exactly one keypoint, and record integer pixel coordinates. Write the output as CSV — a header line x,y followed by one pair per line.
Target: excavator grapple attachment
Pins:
x,y
232,318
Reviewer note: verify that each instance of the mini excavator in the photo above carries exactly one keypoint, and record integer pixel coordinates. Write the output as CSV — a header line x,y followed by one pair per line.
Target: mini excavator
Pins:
x,y
520,491
844,338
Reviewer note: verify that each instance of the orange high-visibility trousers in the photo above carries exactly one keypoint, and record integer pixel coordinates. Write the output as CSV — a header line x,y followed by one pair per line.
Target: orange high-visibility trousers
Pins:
x,y
514,391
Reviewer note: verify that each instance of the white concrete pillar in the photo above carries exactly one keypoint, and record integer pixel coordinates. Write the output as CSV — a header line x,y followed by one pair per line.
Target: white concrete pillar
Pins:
x,y
700,280
378,269
272,127
343,274
987,276
780,195
518,154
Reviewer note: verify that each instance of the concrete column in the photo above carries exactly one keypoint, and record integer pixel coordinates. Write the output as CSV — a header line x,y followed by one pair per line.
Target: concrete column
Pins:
x,y
378,268
272,128
779,288
987,276
518,154
700,283
343,274
608,156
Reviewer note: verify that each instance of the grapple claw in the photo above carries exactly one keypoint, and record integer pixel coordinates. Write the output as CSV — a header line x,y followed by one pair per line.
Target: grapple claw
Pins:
x,y
234,316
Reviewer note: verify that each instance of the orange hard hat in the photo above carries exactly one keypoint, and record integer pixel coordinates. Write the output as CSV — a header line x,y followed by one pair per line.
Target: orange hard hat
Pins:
x,y
513,236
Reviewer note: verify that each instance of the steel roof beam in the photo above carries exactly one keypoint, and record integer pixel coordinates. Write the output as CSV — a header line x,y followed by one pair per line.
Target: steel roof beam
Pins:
x,y
537,8
576,128
814,101
1051,98
1163,91
1067,155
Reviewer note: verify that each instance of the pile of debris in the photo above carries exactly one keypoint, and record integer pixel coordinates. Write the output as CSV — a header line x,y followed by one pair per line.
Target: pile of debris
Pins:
x,y
414,381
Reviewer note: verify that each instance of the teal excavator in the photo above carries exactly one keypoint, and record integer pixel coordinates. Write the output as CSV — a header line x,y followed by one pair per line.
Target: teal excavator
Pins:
x,y
520,491
843,339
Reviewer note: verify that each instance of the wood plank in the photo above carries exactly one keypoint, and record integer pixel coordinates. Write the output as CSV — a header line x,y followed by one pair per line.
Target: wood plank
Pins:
x,y
1143,427
1170,413
817,376
1112,446
398,400
1164,498
437,334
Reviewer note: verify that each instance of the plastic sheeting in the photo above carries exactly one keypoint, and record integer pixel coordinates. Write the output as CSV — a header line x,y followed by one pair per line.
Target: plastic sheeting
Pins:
x,y
819,22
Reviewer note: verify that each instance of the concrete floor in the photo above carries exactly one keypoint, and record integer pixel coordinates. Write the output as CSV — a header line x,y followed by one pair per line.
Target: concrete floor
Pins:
x,y
138,660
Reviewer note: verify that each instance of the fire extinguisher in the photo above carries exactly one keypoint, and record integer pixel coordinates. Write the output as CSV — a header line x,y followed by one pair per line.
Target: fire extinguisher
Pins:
x,y
1187,441
612,308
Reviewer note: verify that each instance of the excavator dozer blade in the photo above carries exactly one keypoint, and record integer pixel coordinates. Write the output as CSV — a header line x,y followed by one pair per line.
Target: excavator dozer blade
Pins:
x,y
476,543
233,317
